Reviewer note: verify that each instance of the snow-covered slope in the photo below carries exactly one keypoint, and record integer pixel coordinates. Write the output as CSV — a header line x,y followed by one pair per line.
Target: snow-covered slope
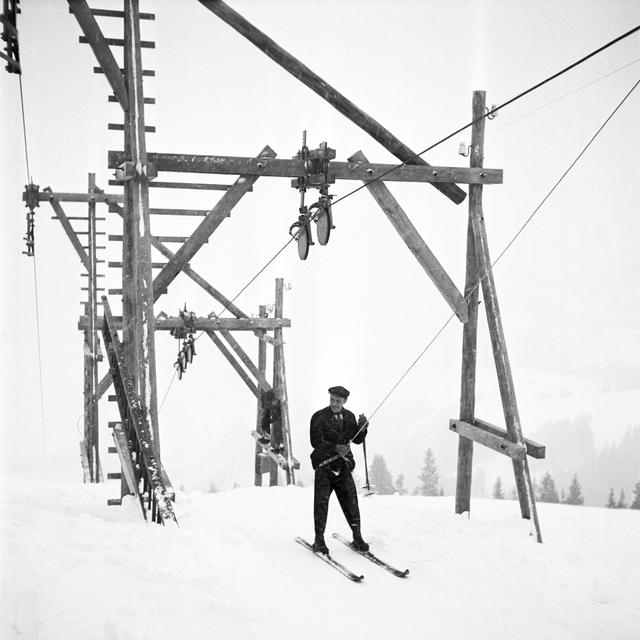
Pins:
x,y
73,568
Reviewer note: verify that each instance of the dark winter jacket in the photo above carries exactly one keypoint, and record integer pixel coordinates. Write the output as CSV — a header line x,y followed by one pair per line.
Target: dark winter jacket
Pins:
x,y
329,429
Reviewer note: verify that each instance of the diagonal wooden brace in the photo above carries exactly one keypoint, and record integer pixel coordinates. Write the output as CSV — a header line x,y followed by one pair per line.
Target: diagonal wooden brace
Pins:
x,y
101,49
326,91
204,230
403,225
68,229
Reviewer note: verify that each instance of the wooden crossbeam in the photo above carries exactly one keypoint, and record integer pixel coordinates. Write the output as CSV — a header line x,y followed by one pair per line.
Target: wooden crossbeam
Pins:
x,y
100,46
202,186
110,13
325,91
294,168
46,195
211,222
405,228
119,42
534,449
206,324
145,72
496,442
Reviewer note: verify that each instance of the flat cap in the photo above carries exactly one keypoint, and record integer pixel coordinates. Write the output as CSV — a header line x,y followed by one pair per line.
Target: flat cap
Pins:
x,y
341,392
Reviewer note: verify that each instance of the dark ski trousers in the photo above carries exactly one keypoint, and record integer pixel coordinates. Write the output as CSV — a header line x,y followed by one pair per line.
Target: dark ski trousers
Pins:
x,y
326,481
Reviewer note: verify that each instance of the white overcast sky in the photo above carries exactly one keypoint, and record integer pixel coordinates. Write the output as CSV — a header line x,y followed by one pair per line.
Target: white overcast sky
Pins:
x,y
361,307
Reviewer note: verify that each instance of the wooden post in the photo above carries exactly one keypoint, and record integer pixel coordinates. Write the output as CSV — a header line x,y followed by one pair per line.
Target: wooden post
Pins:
x,y
470,328
325,91
501,357
277,428
140,308
262,368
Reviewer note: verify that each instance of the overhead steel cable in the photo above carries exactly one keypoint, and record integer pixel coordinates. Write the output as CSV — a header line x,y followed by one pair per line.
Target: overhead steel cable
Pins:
x,y
510,243
439,142
35,283
497,108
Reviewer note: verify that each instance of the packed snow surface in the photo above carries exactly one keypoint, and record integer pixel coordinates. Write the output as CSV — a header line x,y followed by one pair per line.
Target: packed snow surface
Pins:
x,y
74,568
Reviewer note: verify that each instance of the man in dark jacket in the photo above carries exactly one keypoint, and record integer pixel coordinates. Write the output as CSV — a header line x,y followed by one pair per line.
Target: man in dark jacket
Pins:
x,y
332,430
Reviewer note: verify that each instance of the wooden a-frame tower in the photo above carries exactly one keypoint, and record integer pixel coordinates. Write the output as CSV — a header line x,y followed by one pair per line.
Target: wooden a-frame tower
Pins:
x,y
132,357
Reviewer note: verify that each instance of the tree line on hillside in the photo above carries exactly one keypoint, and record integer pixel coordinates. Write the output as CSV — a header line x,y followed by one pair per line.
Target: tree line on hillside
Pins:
x,y
546,491
382,480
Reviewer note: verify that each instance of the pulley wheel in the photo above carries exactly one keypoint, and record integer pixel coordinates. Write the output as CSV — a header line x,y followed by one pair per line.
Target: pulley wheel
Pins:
x,y
303,242
323,220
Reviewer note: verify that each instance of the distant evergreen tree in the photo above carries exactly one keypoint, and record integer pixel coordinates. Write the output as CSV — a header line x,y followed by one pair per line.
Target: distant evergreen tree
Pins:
x,y
563,496
498,491
429,477
548,491
514,494
399,486
611,500
575,492
635,504
621,504
380,476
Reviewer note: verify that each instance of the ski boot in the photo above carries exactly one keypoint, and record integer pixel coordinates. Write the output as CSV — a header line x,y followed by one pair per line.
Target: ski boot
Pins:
x,y
319,546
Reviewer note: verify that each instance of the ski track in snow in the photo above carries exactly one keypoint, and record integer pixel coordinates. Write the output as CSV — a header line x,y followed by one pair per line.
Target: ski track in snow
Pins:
x,y
74,568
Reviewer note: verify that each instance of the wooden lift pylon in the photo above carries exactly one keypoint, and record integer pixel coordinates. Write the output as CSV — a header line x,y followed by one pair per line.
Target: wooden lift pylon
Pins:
x,y
136,171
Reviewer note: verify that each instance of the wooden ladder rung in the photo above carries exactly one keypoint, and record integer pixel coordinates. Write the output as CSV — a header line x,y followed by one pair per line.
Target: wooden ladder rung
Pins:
x,y
114,502
119,42
112,450
114,126
145,72
116,475
145,100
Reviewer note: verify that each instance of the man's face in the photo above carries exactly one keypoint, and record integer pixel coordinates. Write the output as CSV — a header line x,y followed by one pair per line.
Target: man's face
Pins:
x,y
336,403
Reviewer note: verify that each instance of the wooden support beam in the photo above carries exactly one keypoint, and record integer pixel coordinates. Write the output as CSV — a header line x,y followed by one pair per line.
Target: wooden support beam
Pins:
x,y
202,186
47,194
234,363
246,360
145,72
68,229
469,332
208,324
262,463
524,484
188,212
414,241
115,126
205,229
498,443
110,13
198,279
100,46
294,168
325,91
118,42
534,449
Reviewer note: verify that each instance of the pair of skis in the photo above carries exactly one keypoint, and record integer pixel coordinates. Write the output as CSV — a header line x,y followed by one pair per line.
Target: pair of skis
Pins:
x,y
347,572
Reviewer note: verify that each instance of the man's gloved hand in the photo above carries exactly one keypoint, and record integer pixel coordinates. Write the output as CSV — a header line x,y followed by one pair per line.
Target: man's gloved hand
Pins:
x,y
362,420
342,449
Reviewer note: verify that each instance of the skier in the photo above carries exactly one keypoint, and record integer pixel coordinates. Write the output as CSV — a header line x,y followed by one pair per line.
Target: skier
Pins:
x,y
269,414
332,430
